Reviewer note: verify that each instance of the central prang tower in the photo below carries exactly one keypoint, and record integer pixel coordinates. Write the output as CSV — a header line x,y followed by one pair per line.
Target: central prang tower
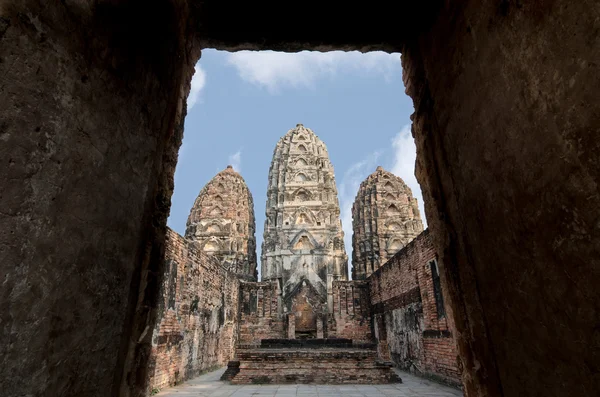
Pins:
x,y
303,248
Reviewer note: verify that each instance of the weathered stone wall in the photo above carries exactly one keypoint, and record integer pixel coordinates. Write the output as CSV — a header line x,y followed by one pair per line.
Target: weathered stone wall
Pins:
x,y
397,312
197,322
351,315
91,109
410,326
506,122
440,357
259,316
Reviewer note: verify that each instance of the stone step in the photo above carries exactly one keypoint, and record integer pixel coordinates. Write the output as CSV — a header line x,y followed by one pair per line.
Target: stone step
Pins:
x,y
233,368
315,343
266,355
308,365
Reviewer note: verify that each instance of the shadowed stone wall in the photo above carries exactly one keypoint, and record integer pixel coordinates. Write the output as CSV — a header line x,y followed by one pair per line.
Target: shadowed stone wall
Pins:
x,y
92,107
507,117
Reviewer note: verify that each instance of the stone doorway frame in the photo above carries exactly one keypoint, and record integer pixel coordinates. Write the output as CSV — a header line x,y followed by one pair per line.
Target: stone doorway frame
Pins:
x,y
93,119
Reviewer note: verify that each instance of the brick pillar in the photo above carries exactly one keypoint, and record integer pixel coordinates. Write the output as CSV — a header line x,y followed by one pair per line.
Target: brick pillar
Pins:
x,y
320,327
383,348
260,306
291,326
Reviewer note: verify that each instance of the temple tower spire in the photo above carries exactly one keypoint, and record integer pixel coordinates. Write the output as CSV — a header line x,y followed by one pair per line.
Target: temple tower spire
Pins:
x,y
385,217
303,246
221,223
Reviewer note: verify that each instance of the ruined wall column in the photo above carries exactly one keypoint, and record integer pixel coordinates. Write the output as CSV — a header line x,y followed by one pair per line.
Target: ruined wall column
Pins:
x,y
506,122
91,109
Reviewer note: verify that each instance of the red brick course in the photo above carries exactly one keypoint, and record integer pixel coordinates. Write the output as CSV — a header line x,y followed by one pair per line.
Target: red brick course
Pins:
x,y
317,366
196,328
351,317
259,318
408,328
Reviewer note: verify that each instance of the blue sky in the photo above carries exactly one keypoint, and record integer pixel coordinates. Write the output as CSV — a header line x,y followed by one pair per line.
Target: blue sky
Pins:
x,y
242,103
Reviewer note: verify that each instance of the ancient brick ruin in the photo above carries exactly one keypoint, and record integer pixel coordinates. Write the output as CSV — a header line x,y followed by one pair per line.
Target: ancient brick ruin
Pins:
x,y
385,217
305,321
198,315
411,325
507,108
221,223
303,249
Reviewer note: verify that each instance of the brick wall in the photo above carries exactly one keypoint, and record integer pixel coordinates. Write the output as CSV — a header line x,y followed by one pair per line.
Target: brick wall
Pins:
x,y
410,326
440,354
197,324
259,318
351,315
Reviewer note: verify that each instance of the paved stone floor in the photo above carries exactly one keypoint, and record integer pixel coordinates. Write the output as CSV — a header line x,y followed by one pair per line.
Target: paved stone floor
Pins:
x,y
209,385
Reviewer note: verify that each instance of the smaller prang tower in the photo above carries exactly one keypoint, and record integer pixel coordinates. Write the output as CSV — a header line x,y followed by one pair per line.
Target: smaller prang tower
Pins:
x,y
385,217
221,223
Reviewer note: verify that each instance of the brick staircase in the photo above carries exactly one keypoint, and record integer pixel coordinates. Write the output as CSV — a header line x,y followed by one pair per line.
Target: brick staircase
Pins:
x,y
318,361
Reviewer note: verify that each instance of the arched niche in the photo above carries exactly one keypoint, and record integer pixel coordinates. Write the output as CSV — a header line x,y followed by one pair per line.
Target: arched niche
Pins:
x,y
395,246
213,228
303,243
394,226
302,219
301,163
301,177
216,212
302,148
392,210
211,246
302,196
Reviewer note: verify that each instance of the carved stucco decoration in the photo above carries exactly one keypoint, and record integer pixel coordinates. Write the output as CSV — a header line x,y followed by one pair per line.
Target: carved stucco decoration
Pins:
x,y
221,223
385,217
303,237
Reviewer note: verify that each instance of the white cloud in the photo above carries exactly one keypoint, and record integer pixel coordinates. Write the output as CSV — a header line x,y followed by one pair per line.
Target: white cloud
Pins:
x,y
405,155
276,70
198,82
348,188
235,160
